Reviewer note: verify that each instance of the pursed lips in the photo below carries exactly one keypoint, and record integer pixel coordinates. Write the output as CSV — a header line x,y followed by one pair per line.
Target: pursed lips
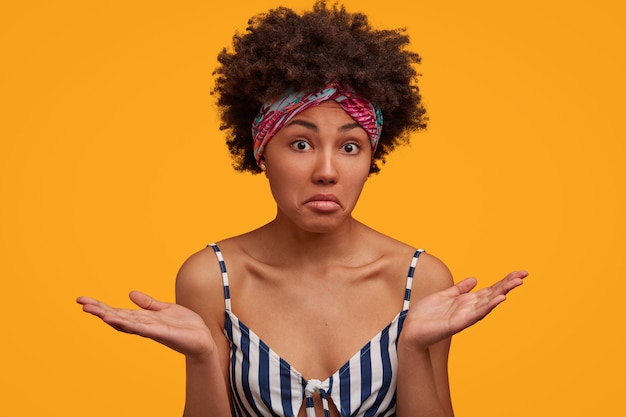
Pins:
x,y
323,197
326,201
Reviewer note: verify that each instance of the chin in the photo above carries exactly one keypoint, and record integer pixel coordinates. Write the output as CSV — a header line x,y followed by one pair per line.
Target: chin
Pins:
x,y
324,226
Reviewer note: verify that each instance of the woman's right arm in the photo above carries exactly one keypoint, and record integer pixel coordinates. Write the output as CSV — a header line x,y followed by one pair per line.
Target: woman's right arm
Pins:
x,y
192,326
199,287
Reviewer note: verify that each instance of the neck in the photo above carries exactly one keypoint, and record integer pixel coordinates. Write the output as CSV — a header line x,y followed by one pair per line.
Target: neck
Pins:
x,y
295,245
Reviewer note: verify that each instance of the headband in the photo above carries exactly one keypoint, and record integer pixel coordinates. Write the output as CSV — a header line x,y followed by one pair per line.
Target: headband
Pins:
x,y
274,114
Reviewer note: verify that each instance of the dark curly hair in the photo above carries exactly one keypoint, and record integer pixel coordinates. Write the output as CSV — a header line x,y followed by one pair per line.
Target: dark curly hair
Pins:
x,y
282,49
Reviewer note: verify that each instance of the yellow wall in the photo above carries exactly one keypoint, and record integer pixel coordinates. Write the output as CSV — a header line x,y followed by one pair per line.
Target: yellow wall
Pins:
x,y
113,170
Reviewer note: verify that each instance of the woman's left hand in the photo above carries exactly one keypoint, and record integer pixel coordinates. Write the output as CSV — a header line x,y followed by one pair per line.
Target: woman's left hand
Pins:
x,y
444,313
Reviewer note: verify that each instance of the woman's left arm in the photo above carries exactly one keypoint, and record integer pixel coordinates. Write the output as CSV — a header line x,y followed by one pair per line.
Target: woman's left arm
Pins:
x,y
434,316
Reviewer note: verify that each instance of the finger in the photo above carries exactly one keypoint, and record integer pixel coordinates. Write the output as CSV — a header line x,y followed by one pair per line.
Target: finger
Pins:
x,y
122,320
512,280
122,324
494,302
93,306
146,302
516,275
94,309
521,274
497,293
466,285
86,300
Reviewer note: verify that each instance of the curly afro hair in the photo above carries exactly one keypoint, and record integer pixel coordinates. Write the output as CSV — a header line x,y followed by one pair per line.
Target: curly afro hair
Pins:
x,y
282,49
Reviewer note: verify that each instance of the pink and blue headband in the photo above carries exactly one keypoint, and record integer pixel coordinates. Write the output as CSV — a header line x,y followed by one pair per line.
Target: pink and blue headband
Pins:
x,y
275,113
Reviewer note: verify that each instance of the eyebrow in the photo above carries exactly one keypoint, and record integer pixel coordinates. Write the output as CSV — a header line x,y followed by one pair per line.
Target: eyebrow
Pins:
x,y
313,126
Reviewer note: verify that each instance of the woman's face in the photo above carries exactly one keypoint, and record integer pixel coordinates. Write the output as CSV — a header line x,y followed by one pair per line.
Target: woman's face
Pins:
x,y
317,165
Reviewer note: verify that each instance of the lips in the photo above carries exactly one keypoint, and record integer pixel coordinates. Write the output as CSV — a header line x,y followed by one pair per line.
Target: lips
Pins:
x,y
323,202
323,197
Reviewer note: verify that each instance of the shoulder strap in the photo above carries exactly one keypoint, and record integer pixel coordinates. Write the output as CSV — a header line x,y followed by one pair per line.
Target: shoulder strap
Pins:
x,y
409,279
220,259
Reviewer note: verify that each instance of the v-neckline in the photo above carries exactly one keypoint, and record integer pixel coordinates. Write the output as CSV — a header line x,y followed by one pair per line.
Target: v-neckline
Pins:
x,y
293,369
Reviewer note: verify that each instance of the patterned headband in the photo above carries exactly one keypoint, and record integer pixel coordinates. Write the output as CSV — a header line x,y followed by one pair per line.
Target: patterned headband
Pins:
x,y
276,113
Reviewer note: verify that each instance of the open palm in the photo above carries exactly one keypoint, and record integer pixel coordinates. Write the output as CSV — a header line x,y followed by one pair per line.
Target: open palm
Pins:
x,y
172,325
444,313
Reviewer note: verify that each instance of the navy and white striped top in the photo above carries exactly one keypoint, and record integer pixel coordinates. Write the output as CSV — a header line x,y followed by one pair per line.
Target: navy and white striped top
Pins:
x,y
264,384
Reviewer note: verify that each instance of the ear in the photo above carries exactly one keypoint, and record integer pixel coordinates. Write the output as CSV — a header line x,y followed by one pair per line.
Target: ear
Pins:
x,y
262,165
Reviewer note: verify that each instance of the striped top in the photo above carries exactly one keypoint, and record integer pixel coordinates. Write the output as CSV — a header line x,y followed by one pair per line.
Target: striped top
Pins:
x,y
264,384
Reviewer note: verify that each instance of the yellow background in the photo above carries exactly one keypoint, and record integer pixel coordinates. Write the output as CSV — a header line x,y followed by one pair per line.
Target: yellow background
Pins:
x,y
113,171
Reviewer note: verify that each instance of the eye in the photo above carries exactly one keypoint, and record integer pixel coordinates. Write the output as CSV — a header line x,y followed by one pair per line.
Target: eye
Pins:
x,y
301,145
351,148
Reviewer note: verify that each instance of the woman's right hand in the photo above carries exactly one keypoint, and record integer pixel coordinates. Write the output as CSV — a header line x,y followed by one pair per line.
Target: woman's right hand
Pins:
x,y
172,325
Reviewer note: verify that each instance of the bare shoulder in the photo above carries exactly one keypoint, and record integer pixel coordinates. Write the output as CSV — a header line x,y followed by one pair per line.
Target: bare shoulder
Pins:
x,y
431,275
198,271
199,285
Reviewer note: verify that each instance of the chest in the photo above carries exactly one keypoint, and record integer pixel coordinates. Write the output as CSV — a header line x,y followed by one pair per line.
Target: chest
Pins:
x,y
317,324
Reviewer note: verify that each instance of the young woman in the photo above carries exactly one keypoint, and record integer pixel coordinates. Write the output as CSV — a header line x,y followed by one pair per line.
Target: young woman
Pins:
x,y
314,313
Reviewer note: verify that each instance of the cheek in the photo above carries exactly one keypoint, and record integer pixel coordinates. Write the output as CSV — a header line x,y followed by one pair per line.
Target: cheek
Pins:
x,y
285,172
284,180
359,172
357,185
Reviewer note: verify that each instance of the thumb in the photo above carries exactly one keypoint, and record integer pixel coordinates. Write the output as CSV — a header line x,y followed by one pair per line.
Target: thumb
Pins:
x,y
466,285
145,301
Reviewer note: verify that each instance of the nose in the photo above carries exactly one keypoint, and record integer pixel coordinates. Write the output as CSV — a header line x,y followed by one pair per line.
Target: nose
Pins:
x,y
325,171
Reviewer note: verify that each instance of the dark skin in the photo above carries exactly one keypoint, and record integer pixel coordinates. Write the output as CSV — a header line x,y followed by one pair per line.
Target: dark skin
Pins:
x,y
280,275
